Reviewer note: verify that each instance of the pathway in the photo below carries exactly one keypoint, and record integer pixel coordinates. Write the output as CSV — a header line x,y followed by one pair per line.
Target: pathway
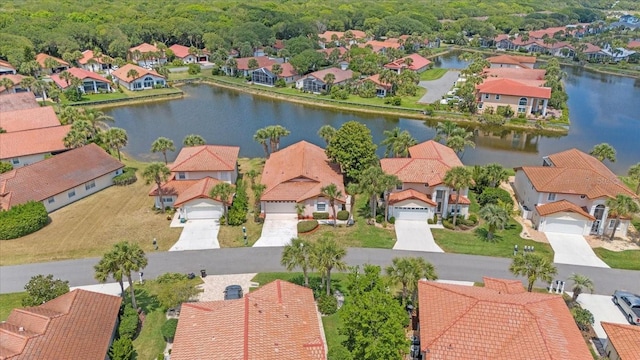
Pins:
x,y
438,88
278,230
573,249
414,235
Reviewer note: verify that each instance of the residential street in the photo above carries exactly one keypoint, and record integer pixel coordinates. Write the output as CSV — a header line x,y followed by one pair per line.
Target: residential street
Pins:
x,y
438,88
254,260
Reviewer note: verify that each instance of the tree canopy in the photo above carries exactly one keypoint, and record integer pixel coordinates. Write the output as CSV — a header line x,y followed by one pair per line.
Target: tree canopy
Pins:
x,y
41,289
352,147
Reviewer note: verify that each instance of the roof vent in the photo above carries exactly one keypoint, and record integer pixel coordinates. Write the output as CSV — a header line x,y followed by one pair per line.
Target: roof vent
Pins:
x,y
21,329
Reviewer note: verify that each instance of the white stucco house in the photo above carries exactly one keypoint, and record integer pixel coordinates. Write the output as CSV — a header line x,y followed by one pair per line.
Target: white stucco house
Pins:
x,y
134,77
422,194
568,194
28,146
196,171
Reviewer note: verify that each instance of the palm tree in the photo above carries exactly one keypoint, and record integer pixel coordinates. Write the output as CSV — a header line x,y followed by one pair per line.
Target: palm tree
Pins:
x,y
372,182
604,152
223,191
252,174
459,140
129,257
621,206
162,144
634,174
401,271
534,267
495,174
328,80
422,269
193,140
157,173
276,69
326,132
116,139
298,254
262,137
275,133
132,74
66,76
6,83
495,216
69,114
458,178
332,193
27,82
444,130
388,182
97,118
51,64
327,256
108,266
253,64
580,282
398,142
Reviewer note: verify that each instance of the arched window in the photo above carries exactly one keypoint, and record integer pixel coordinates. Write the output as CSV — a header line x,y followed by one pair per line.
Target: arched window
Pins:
x,y
523,101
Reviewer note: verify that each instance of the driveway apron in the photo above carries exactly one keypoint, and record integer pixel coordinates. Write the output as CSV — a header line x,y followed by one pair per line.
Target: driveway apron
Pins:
x,y
574,250
198,235
414,235
278,230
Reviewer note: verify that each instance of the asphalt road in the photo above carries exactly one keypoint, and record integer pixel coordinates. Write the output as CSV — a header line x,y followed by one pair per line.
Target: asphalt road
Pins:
x,y
267,259
438,88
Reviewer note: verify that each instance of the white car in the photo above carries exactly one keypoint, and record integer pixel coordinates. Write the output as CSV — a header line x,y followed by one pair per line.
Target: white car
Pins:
x,y
630,305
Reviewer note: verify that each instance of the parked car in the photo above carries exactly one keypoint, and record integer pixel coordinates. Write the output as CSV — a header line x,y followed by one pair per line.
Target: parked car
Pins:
x,y
233,292
630,305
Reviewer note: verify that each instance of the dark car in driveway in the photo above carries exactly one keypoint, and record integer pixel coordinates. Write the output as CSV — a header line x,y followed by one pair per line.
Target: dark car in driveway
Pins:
x,y
630,305
233,292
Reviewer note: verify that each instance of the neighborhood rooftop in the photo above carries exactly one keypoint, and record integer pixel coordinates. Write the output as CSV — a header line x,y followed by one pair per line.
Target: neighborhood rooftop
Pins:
x,y
206,158
624,338
17,101
27,119
33,141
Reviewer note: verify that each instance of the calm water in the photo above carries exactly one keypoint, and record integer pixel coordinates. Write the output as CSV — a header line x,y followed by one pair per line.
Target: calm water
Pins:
x,y
604,108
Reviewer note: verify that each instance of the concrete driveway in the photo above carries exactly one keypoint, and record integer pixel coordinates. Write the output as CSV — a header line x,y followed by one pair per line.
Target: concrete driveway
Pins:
x,y
603,309
414,235
278,230
213,285
198,235
437,88
574,250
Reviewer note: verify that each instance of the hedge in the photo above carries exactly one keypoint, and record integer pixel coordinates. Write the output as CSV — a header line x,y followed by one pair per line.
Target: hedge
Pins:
x,y
321,215
327,304
168,329
128,322
128,177
306,226
492,195
343,215
22,220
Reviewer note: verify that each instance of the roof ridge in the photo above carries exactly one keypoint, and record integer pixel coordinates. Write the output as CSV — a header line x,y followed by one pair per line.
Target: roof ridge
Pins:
x,y
459,317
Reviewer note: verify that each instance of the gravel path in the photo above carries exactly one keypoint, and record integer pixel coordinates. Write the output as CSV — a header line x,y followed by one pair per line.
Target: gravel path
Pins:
x,y
439,87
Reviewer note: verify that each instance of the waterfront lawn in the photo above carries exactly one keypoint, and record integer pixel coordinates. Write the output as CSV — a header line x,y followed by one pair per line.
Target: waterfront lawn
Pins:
x,y
95,97
9,302
474,242
432,74
628,259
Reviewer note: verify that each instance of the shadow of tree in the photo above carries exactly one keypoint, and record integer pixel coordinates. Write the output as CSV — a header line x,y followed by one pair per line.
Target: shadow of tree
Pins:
x,y
144,299
483,234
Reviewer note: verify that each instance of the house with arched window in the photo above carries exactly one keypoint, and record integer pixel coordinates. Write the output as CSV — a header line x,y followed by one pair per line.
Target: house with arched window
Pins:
x,y
134,77
525,97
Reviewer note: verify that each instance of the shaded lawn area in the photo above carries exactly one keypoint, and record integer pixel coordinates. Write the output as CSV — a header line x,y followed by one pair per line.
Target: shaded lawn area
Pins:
x,y
628,259
9,302
474,242
432,74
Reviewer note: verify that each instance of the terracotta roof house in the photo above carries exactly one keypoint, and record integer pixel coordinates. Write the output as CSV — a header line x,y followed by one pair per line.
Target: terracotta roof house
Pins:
x,y
340,50
623,341
279,321
143,79
16,79
295,175
634,44
381,47
184,53
340,37
17,101
196,170
315,81
266,76
568,194
42,60
146,55
497,321
21,148
243,65
28,119
60,179
423,193
515,73
77,325
418,64
6,68
91,81
382,88
522,96
512,61
92,63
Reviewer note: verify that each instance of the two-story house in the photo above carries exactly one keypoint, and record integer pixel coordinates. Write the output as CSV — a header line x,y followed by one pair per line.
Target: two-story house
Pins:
x,y
423,193
568,194
196,171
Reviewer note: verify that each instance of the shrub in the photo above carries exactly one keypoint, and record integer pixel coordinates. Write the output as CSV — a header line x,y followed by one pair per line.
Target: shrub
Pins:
x,y
306,226
327,304
583,317
379,218
343,215
447,224
122,349
473,219
168,329
321,215
167,278
280,83
492,195
128,322
128,177
430,221
240,206
194,69
5,166
393,101
73,94
22,220
505,111
392,220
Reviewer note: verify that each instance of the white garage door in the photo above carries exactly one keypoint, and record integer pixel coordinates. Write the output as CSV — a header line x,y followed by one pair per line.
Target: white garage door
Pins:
x,y
280,207
411,213
204,212
564,226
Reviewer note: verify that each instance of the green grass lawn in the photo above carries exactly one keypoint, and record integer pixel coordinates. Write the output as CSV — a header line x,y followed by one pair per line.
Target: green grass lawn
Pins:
x,y
331,324
9,302
628,259
432,74
474,241
150,342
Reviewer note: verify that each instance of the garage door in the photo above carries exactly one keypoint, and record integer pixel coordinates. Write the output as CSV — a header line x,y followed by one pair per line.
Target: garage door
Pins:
x,y
564,226
280,207
407,213
204,212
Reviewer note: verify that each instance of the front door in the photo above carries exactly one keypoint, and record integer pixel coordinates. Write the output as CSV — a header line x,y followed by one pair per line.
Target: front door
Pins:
x,y
598,214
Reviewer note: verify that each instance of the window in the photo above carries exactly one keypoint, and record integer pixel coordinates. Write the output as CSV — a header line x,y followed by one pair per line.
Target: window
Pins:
x,y
15,161
167,199
486,96
521,109
399,186
71,193
583,196
51,200
551,197
321,206
182,176
523,101
612,223
90,185
497,97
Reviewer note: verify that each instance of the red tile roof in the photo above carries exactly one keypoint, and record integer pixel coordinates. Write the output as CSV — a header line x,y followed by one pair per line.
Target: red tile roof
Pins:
x,y
173,187
328,51
17,101
418,62
298,172
199,190
55,175
591,48
514,88
562,206
379,45
633,44
34,141
81,74
428,164
574,172
515,73
263,61
396,197
15,79
180,51
376,80
40,58
87,56
504,285
468,322
7,65
523,61
539,34
326,36
144,48
76,325
27,119
206,158
287,70
624,338
434,150
121,73
339,74
463,200
279,321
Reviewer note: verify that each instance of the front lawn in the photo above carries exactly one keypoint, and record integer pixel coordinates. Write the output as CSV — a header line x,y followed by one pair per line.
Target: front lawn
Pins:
x,y
9,302
628,259
432,74
474,242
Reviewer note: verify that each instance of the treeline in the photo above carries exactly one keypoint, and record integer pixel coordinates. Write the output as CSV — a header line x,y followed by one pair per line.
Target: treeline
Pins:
x,y
57,28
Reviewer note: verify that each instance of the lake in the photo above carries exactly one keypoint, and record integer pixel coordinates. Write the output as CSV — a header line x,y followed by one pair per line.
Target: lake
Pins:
x,y
603,108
